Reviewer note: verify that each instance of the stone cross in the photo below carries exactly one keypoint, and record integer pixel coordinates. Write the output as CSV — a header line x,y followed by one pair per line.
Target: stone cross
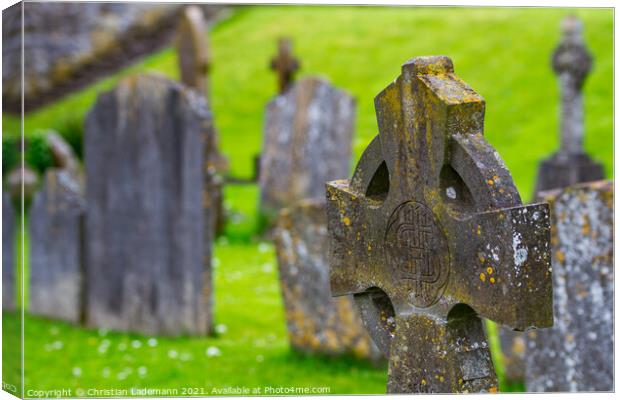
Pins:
x,y
285,64
316,322
577,354
148,232
8,253
430,235
571,62
193,49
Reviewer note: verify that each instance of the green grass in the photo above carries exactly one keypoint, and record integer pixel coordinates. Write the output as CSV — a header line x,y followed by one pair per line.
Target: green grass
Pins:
x,y
504,54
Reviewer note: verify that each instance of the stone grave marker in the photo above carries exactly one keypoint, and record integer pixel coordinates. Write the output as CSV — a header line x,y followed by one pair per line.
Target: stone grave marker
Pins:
x,y
8,253
430,234
577,354
307,142
570,165
56,247
285,64
148,234
194,65
316,322
572,63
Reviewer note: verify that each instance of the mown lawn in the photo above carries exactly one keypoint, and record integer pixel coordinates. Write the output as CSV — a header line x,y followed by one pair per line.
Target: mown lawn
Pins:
x,y
502,53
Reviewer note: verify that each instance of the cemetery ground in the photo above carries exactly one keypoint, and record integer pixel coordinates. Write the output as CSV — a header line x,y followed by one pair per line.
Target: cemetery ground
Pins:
x,y
502,53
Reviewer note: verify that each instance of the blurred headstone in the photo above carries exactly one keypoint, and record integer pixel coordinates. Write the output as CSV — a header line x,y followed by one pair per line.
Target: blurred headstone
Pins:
x,y
431,234
56,247
68,45
285,64
22,176
307,142
570,165
148,234
317,323
8,253
577,354
194,64
63,155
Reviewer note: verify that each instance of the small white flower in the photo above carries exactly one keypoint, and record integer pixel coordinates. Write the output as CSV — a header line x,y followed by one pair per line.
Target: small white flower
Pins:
x,y
106,372
102,332
152,342
263,247
122,346
173,354
213,351
57,345
185,356
216,262
142,371
267,267
76,371
221,328
136,344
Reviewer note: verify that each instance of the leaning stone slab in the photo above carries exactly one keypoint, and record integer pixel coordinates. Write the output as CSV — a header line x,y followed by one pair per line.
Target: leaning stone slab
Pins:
x,y
307,142
148,233
317,323
56,247
576,355
8,253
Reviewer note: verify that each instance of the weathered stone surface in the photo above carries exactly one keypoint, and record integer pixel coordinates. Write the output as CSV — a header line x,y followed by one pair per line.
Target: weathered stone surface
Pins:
x,y
317,323
8,253
285,64
430,235
63,155
148,233
307,142
56,247
570,165
93,40
577,353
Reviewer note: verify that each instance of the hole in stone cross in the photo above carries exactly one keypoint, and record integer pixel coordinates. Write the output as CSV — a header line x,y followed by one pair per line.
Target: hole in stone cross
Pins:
x,y
454,191
461,311
379,185
383,304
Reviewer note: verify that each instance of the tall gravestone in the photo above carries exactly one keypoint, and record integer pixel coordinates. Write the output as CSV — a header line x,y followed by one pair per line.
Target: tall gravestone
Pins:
x,y
307,141
577,354
194,64
148,235
8,253
316,322
570,165
56,247
430,234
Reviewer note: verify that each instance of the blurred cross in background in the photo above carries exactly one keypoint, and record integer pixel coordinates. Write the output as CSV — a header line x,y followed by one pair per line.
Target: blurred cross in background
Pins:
x,y
285,64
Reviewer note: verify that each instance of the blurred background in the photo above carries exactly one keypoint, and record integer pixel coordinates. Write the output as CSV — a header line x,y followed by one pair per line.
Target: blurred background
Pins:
x,y
502,53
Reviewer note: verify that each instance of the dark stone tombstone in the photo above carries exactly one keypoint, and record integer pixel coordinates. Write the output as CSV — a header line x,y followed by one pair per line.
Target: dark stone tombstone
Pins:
x,y
570,165
577,354
56,252
8,253
317,323
148,234
285,64
307,142
430,235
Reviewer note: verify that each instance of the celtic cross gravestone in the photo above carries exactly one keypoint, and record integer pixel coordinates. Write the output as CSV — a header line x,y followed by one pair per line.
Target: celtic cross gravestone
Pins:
x,y
430,235
285,64
572,63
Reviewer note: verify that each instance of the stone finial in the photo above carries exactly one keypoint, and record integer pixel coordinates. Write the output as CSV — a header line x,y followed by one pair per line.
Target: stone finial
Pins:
x,y
285,64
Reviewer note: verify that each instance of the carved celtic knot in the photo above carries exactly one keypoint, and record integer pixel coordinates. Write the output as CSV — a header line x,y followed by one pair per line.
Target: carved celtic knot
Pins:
x,y
416,252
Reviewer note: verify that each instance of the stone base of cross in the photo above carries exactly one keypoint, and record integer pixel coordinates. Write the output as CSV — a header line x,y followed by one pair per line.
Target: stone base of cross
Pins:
x,y
564,169
430,234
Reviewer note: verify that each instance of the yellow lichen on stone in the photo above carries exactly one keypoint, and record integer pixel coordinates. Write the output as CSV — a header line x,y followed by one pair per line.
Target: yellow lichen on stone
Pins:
x,y
483,277
346,221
